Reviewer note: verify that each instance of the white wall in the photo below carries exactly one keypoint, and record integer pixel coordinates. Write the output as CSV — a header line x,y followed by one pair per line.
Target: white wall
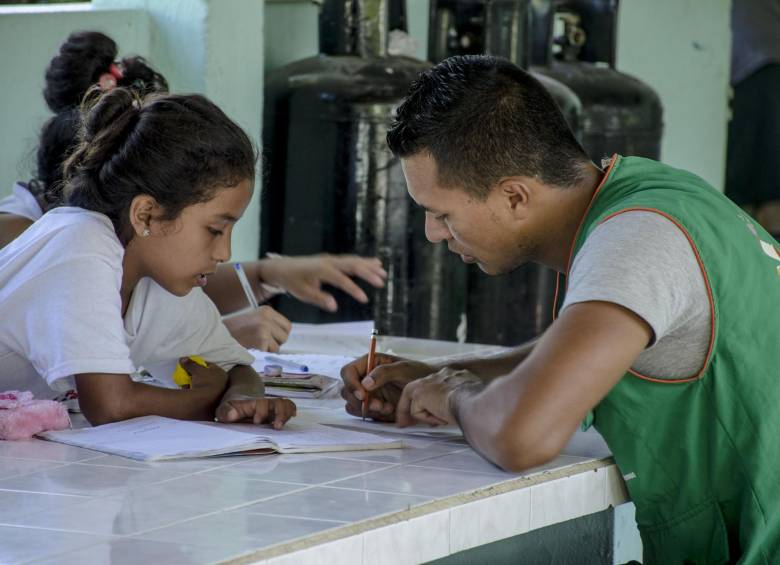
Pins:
x,y
29,38
213,47
681,48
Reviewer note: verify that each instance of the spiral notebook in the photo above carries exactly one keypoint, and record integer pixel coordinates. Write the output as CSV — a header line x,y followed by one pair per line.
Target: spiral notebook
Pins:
x,y
155,438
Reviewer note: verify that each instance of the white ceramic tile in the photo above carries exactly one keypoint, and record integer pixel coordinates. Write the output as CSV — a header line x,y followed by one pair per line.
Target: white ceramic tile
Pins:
x,y
587,444
45,450
179,466
345,551
326,503
409,454
239,531
213,492
14,504
302,469
466,460
19,467
616,488
490,519
87,480
109,516
126,551
417,540
567,498
25,544
409,479
560,462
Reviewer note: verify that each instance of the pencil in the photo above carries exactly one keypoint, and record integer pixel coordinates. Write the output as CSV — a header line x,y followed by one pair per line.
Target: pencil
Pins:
x,y
250,295
289,364
370,364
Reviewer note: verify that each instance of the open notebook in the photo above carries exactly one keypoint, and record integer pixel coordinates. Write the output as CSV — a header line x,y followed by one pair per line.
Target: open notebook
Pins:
x,y
155,438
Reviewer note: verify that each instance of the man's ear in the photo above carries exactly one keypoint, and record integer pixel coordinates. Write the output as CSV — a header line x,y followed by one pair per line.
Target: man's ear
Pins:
x,y
518,193
143,209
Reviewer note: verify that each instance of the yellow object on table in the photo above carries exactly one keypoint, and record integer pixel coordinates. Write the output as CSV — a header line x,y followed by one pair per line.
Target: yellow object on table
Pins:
x,y
182,377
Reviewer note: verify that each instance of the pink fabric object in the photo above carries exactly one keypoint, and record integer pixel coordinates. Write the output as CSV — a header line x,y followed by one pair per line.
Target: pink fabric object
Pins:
x,y
21,416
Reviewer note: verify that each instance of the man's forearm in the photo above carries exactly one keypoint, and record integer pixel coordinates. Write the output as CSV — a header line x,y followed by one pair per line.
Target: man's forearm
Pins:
x,y
489,368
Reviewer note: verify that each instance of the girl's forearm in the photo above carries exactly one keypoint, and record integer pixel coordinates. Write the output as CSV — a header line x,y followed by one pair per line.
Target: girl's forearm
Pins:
x,y
112,398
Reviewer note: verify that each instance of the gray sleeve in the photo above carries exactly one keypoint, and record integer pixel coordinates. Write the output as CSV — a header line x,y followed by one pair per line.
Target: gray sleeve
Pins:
x,y
645,263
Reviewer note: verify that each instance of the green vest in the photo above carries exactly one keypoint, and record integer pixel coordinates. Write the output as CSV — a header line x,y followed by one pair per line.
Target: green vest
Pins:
x,y
701,456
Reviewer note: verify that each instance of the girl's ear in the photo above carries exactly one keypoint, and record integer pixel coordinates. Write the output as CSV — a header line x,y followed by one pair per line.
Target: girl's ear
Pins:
x,y
143,209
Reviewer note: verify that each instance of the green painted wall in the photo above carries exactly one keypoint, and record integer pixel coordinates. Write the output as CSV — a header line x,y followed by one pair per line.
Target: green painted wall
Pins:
x,y
207,46
682,49
215,48
29,38
292,31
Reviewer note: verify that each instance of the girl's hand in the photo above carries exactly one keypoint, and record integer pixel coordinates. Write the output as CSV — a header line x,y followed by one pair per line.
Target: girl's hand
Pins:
x,y
264,329
274,411
211,377
303,277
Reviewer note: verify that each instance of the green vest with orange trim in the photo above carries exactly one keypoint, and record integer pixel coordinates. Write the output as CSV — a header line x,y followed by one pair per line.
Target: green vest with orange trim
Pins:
x,y
701,456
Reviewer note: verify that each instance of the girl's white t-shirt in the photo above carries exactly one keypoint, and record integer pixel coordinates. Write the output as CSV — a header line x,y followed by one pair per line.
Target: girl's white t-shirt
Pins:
x,y
21,202
61,311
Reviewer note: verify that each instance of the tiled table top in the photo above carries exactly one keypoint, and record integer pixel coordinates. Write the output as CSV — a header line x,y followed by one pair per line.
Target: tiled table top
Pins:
x,y
62,504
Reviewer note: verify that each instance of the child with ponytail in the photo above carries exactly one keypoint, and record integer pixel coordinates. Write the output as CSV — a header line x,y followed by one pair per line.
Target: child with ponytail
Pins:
x,y
88,59
112,280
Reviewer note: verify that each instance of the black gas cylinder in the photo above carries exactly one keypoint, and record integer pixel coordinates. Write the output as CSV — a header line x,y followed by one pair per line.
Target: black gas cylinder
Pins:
x,y
333,185
574,43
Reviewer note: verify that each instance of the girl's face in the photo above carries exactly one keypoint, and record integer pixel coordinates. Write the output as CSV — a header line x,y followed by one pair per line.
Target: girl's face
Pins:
x,y
180,254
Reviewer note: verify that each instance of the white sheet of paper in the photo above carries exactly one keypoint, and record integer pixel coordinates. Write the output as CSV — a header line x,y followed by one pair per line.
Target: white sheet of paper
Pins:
x,y
328,365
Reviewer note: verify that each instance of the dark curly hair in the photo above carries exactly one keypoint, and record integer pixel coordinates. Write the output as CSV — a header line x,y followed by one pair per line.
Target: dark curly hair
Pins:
x,y
79,64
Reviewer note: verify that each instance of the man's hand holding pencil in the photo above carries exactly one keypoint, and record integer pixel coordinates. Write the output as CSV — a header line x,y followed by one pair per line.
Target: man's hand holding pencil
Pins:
x,y
384,384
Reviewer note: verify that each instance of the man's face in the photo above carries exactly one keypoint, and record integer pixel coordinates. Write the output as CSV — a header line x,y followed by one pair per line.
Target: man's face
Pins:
x,y
487,232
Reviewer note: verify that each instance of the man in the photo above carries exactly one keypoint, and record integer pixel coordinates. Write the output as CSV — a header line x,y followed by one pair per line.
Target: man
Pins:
x,y
665,338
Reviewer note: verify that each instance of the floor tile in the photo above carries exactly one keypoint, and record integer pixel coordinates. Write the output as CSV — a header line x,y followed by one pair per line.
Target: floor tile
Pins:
x,y
19,467
45,451
89,480
303,469
345,551
238,531
110,516
213,492
409,479
466,460
25,544
324,503
410,454
128,551
414,541
15,504
489,519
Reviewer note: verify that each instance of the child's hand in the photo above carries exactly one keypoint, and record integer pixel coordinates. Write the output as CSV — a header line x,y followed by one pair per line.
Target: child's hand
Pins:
x,y
209,377
264,329
274,411
304,276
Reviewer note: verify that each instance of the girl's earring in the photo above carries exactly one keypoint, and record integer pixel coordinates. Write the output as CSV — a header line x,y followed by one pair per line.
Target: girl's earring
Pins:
x,y
146,233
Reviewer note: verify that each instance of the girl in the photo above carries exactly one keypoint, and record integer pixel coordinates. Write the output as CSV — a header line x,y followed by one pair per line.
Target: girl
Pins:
x,y
87,59
112,280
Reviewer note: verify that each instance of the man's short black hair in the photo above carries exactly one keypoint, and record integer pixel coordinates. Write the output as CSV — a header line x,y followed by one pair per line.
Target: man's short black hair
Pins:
x,y
482,119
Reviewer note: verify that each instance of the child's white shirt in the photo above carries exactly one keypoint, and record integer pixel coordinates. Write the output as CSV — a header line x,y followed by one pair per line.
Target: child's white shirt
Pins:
x,y
61,311
21,202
